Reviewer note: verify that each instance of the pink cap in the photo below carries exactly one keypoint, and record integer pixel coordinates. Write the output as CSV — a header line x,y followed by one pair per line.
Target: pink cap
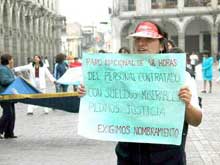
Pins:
x,y
146,30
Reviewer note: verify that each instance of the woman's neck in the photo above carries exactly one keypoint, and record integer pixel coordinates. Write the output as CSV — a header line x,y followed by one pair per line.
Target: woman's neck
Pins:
x,y
37,65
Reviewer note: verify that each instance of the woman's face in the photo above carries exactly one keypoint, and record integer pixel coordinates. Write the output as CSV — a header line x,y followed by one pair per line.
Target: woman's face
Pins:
x,y
36,59
147,45
124,51
170,46
205,55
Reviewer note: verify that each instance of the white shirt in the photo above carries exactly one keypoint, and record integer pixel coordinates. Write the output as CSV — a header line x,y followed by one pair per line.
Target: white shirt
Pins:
x,y
190,82
193,59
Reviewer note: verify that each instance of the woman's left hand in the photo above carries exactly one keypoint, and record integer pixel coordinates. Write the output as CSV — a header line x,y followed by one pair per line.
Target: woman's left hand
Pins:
x,y
185,95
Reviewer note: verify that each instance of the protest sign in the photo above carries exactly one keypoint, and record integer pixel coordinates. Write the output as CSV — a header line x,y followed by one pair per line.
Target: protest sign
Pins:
x,y
133,98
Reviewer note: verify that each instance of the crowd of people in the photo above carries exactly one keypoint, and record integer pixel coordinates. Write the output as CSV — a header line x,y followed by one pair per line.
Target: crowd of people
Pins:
x,y
37,71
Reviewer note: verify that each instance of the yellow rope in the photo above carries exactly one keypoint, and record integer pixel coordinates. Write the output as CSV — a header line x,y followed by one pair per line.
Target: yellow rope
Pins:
x,y
38,95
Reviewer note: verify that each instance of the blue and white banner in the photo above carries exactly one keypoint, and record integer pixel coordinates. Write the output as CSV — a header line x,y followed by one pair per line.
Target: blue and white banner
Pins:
x,y
73,76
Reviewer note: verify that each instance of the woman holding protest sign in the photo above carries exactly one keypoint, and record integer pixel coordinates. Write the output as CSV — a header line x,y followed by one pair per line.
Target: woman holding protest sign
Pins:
x,y
150,39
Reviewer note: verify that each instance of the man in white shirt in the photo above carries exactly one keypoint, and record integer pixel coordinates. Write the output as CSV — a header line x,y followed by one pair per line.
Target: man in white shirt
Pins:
x,y
193,61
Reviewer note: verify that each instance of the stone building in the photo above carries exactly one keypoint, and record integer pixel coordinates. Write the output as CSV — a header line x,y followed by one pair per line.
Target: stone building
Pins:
x,y
194,25
29,27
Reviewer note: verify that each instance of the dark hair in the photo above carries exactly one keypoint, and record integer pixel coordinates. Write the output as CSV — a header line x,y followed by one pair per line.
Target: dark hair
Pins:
x,y
171,42
76,58
5,58
176,50
102,51
206,52
124,49
40,62
164,40
60,58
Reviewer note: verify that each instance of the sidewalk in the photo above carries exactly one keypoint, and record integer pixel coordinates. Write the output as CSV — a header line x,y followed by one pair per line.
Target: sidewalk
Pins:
x,y
203,142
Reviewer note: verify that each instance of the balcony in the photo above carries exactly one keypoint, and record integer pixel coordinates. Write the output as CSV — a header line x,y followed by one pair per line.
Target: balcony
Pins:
x,y
165,4
197,3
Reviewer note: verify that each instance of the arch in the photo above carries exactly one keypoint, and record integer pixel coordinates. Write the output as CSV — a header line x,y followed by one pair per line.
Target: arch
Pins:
x,y
21,20
14,17
171,28
172,23
124,32
48,4
48,27
191,19
6,16
22,35
40,22
52,5
197,34
6,10
53,34
14,37
44,47
1,11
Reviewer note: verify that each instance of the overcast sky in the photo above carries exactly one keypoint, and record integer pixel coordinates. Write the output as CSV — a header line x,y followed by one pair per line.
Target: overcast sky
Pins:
x,y
85,11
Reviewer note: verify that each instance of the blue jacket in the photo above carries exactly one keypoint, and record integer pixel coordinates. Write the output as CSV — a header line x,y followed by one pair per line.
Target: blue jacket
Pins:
x,y
6,77
207,64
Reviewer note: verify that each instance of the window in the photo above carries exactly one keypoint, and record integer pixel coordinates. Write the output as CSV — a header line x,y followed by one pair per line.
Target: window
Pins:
x,y
159,4
131,5
127,5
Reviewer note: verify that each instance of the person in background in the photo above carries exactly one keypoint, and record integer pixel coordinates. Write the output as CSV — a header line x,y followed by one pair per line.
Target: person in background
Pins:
x,y
207,71
38,73
217,57
102,51
149,39
74,64
29,60
7,120
124,50
46,62
193,62
170,44
59,69
218,66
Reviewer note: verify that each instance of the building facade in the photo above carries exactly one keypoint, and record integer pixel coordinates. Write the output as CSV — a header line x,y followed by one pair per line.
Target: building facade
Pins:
x,y
29,27
194,25
73,40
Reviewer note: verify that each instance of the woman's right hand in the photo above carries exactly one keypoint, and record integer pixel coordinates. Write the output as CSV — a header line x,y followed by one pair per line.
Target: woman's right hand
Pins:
x,y
81,90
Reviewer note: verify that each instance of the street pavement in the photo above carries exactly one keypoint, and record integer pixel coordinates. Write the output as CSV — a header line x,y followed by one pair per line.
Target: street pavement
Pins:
x,y
52,139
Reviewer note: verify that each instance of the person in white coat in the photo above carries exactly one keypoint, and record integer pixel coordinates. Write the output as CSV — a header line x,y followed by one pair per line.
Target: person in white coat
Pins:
x,y
37,76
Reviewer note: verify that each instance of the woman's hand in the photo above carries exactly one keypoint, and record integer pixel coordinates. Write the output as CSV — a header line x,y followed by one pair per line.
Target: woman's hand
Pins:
x,y
193,116
81,90
185,95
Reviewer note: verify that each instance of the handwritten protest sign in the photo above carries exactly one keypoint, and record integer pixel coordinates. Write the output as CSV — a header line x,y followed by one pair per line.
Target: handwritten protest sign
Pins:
x,y
133,98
